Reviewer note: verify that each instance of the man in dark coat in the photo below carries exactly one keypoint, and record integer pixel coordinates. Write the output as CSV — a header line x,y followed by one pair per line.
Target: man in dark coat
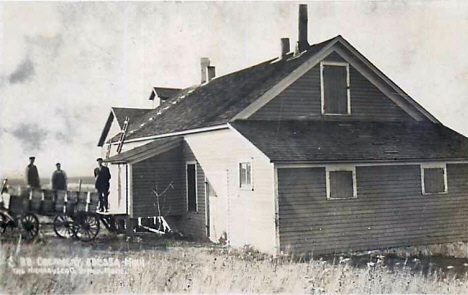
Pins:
x,y
102,176
32,175
59,179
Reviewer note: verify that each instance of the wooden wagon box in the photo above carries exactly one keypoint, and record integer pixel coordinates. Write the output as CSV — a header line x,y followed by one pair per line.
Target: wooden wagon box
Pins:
x,y
19,204
35,197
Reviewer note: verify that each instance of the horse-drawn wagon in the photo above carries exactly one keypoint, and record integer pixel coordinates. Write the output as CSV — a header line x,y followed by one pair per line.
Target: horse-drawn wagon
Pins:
x,y
73,212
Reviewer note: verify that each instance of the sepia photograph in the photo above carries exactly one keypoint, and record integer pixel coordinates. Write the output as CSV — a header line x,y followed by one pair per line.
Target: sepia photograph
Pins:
x,y
218,147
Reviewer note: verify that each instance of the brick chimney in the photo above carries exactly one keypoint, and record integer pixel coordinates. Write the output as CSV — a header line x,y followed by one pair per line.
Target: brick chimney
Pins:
x,y
302,42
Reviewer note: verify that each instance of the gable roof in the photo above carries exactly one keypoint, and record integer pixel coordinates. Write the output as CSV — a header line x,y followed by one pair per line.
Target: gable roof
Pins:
x,y
219,100
120,114
237,95
329,141
163,93
132,113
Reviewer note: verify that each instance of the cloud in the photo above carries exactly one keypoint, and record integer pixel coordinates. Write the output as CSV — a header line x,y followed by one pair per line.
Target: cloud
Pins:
x,y
30,135
24,72
50,44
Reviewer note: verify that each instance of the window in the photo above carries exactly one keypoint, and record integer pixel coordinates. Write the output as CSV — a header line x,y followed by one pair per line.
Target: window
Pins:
x,y
434,178
191,169
245,175
341,182
334,78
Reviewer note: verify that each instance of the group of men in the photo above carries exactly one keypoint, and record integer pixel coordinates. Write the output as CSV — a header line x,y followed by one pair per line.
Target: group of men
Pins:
x,y
59,180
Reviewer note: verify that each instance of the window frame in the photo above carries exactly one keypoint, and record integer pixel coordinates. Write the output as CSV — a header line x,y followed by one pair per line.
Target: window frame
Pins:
x,y
196,185
436,165
246,187
322,87
334,168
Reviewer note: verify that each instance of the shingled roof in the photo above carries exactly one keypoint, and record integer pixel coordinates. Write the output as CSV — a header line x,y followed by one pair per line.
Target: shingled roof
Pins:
x,y
164,93
218,101
328,141
120,114
131,113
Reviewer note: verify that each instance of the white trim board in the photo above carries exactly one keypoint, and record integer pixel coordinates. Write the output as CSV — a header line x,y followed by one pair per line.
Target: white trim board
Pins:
x,y
429,166
322,87
332,168
387,80
130,190
291,166
190,131
286,82
276,212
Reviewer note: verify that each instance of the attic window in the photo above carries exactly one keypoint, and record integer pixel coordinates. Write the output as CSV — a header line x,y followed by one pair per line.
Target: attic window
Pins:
x,y
334,78
434,178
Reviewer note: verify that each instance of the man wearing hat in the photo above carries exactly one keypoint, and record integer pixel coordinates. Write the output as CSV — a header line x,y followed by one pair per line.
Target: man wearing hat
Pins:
x,y
32,175
59,179
102,176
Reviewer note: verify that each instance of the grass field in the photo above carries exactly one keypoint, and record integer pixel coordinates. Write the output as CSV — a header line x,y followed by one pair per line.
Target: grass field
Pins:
x,y
148,264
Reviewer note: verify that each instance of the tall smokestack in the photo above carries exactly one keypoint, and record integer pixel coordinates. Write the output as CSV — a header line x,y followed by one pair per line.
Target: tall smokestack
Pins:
x,y
302,40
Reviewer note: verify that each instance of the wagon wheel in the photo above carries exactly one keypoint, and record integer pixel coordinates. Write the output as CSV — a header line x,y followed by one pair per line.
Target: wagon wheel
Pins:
x,y
29,226
3,224
63,226
86,226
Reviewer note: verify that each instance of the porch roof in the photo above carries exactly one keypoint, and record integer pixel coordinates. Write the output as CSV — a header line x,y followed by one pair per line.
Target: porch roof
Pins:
x,y
153,148
332,141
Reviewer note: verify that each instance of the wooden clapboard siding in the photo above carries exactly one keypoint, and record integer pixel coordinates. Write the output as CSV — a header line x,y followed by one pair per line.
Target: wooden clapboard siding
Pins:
x,y
247,216
302,100
159,170
390,210
193,223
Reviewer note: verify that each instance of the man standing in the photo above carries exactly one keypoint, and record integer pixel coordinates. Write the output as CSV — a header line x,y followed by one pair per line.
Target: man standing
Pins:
x,y
59,179
102,176
32,175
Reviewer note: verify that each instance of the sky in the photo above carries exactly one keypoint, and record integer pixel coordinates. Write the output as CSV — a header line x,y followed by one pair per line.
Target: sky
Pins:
x,y
63,65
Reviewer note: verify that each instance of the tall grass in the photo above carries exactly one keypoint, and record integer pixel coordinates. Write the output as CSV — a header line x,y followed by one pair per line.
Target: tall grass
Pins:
x,y
181,268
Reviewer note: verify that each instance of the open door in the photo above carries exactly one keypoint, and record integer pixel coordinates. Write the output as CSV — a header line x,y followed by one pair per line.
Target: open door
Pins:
x,y
212,212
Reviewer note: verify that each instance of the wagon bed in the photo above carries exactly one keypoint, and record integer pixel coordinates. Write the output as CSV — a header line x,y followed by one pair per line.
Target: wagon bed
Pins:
x,y
74,212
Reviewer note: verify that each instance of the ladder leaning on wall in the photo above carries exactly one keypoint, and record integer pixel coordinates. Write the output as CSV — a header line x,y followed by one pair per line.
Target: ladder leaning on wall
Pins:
x,y
121,139
122,135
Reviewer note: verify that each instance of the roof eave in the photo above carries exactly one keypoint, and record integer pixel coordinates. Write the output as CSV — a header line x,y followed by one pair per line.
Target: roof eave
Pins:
x,y
366,161
106,129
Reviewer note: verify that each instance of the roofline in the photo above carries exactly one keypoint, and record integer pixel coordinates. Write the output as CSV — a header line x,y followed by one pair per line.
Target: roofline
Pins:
x,y
285,82
313,61
387,79
141,153
247,140
185,132
370,162
106,128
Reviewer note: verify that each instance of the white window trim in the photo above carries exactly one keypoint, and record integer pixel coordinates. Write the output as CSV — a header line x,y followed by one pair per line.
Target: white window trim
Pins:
x,y
246,187
196,185
322,90
330,168
434,165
